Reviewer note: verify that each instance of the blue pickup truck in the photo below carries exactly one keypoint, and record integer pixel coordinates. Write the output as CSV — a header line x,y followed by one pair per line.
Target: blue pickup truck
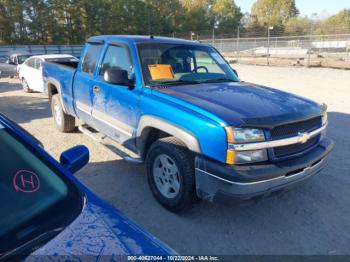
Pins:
x,y
179,107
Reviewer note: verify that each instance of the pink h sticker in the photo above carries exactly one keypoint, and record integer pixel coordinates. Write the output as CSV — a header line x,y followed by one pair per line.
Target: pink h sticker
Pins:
x,y
26,181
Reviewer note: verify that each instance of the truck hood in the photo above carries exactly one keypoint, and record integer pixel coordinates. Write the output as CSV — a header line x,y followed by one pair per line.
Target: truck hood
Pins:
x,y
245,104
102,230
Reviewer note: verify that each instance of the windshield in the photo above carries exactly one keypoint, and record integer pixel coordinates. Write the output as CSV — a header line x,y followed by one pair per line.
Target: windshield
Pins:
x,y
22,58
181,64
35,198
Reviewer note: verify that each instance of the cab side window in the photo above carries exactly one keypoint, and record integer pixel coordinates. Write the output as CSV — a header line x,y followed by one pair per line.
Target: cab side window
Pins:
x,y
91,58
37,64
116,57
31,62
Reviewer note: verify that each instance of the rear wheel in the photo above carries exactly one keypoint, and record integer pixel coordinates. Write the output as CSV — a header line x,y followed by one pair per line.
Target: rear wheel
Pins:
x,y
64,123
170,173
25,86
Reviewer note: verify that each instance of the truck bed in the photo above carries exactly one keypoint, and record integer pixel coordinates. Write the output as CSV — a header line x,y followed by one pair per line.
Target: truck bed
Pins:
x,y
62,74
66,63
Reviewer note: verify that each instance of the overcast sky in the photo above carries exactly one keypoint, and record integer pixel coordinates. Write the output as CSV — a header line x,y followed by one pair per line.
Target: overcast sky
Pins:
x,y
306,7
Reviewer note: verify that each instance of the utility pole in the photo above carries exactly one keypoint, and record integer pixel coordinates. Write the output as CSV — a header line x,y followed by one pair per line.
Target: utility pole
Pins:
x,y
310,40
215,26
237,45
314,15
213,41
268,44
310,47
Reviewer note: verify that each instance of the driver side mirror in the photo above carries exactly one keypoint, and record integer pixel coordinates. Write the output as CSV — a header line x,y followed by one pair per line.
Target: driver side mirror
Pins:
x,y
118,77
75,158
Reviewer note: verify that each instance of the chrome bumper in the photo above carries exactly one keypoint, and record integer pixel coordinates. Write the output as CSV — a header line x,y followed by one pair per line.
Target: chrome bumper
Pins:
x,y
244,182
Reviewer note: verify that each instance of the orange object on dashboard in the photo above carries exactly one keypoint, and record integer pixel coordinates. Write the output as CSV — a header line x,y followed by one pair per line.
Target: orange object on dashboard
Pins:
x,y
161,71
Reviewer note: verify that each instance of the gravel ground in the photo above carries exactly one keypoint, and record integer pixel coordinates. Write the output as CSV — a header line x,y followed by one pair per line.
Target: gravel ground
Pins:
x,y
313,218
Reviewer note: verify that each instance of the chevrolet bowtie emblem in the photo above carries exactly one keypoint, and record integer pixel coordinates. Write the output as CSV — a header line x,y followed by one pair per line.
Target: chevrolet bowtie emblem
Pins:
x,y
303,137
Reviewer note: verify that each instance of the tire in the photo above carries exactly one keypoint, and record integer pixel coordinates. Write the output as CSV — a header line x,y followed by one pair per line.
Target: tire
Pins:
x,y
64,123
25,86
172,152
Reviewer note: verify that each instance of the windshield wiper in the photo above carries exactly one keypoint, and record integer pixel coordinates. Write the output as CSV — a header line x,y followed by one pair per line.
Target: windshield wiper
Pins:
x,y
37,241
177,82
218,80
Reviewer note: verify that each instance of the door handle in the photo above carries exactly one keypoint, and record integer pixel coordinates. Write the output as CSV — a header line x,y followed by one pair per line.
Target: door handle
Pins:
x,y
96,89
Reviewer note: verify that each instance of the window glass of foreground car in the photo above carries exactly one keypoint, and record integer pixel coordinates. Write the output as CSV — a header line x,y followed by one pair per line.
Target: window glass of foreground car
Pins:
x,y
37,201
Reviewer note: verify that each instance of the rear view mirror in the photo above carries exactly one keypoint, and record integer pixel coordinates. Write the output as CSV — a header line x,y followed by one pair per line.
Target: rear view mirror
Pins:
x,y
118,77
75,158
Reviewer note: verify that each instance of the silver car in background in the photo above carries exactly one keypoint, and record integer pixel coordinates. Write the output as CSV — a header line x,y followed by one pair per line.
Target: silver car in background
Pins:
x,y
9,65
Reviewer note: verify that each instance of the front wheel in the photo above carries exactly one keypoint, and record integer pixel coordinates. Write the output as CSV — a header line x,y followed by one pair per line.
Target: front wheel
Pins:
x,y
64,123
25,86
170,173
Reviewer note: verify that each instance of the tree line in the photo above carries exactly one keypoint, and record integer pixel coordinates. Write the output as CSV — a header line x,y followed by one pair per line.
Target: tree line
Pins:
x,y
73,21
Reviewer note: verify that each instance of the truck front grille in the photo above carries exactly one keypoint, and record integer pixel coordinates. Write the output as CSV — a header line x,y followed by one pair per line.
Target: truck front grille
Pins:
x,y
290,130
284,151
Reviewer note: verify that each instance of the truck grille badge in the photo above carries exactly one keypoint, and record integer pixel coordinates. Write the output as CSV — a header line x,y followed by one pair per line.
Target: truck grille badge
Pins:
x,y
303,137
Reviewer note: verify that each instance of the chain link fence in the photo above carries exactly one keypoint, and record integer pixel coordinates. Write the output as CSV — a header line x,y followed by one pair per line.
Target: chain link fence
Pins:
x,y
272,46
263,48
6,50
285,46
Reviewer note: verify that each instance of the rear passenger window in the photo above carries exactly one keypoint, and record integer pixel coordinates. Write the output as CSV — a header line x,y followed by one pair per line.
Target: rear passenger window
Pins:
x,y
116,57
91,58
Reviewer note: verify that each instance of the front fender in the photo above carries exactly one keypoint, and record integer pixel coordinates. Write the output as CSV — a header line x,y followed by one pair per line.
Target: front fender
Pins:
x,y
185,136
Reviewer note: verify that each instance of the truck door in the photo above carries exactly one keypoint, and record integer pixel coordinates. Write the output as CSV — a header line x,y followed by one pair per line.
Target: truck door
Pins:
x,y
115,107
84,81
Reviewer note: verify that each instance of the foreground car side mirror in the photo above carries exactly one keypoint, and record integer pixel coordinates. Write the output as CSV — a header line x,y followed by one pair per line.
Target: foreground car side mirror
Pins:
x,y
118,77
75,158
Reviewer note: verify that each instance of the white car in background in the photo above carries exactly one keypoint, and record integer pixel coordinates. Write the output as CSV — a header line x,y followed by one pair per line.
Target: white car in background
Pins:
x,y
30,72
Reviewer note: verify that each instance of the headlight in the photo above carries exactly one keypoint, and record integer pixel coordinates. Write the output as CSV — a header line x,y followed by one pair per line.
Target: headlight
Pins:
x,y
244,135
244,157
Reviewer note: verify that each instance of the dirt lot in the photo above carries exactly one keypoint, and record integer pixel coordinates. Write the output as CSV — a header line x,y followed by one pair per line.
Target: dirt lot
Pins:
x,y
313,218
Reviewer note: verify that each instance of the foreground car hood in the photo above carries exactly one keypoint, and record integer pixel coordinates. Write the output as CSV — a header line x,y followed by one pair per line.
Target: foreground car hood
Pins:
x,y
102,230
245,104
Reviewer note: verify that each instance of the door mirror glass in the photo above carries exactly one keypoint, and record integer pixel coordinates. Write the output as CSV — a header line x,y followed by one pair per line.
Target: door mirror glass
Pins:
x,y
75,158
118,77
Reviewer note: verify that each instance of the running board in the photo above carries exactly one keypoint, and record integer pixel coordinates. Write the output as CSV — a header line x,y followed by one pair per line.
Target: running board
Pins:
x,y
110,144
